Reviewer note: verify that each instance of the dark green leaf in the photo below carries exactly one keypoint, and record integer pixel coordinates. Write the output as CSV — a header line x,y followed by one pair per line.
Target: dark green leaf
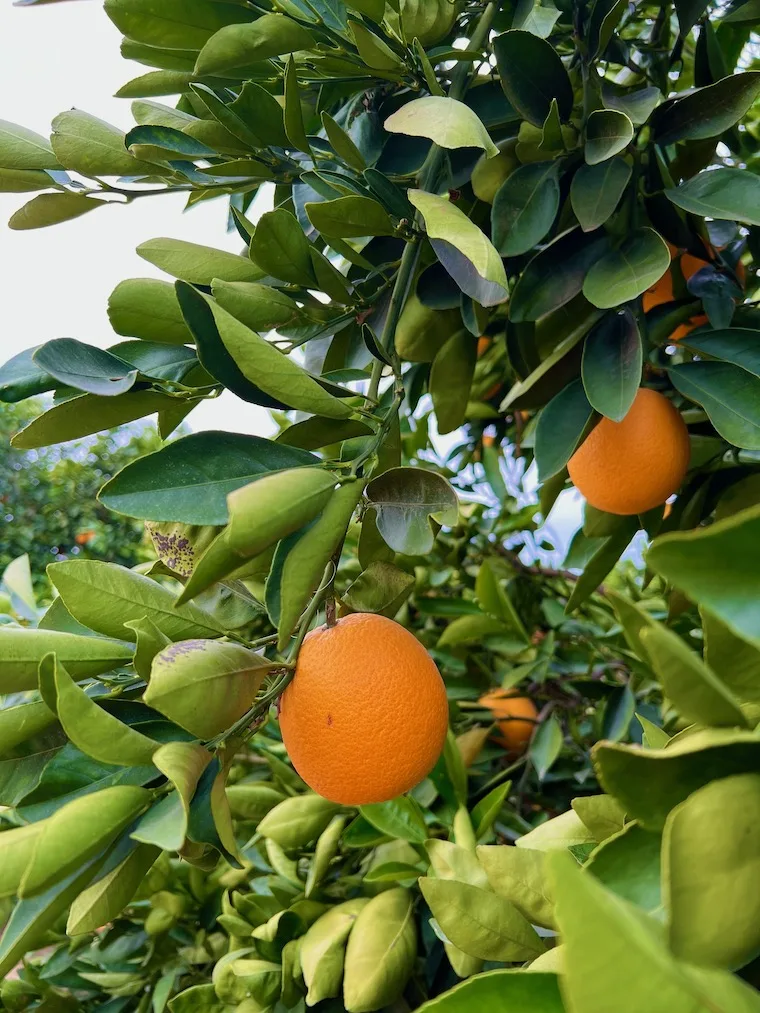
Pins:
x,y
280,248
561,427
21,377
596,191
525,207
85,367
612,362
627,272
600,564
607,133
732,194
555,275
532,74
729,395
706,112
404,500
450,380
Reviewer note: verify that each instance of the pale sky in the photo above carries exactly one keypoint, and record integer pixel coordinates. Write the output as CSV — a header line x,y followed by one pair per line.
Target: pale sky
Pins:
x,y
56,281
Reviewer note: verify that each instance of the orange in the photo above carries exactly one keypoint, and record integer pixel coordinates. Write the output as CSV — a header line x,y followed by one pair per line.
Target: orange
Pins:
x,y
366,715
632,466
662,291
484,344
683,329
516,716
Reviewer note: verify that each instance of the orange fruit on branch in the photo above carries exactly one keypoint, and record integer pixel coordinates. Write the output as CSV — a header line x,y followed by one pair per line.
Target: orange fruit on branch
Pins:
x,y
366,715
632,466
516,716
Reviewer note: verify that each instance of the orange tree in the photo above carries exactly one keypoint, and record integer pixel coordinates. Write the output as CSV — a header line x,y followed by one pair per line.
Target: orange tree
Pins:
x,y
574,184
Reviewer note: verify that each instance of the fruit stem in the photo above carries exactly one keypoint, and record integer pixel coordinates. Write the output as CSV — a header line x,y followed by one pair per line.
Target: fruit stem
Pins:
x,y
311,611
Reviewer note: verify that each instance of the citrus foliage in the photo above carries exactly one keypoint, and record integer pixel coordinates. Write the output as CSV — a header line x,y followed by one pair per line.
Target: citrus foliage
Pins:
x,y
484,224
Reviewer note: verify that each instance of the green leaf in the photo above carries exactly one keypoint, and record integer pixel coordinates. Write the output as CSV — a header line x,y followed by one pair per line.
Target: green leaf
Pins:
x,y
276,374
381,588
86,144
155,83
734,344
257,306
455,863
445,121
147,308
109,894
176,24
555,276
21,148
735,661
614,949
21,722
51,209
485,813
480,923
381,952
104,596
637,105
503,991
729,395
88,414
189,480
525,207
374,52
261,514
628,864
608,132
732,194
296,822
342,144
693,689
706,112
77,832
463,249
348,217
85,367
293,117
612,364
21,377
561,427
165,823
199,265
31,919
256,105
298,568
404,500
91,728
22,651
627,272
532,74
450,380
558,834
714,566
546,746
648,783
323,949
519,875
325,851
400,818
600,813
601,563
280,248
596,190
710,871
494,599
233,50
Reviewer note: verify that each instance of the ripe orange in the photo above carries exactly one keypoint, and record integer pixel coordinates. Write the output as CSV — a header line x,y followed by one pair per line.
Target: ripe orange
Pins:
x,y
516,716
662,291
630,467
683,329
484,343
365,717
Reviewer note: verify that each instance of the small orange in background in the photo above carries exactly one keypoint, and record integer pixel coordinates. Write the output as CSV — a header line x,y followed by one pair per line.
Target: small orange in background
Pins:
x,y
84,537
632,466
484,343
366,715
516,716
662,291
691,324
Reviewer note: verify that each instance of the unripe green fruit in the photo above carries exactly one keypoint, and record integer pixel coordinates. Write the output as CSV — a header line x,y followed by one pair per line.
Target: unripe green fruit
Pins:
x,y
490,173
159,921
204,686
430,21
180,546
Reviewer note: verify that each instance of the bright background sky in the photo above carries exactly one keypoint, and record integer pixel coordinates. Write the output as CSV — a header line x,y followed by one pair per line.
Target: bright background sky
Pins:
x,y
57,280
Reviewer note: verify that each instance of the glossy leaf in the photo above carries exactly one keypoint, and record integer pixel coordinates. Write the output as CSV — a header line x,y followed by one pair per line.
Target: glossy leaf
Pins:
x,y
721,193
596,190
400,818
729,395
706,112
107,897
627,272
612,364
404,500
532,74
189,480
147,308
104,596
381,952
608,132
235,48
23,649
280,248
465,252
555,275
199,265
52,209
85,367
561,427
347,217
519,875
21,148
86,144
503,991
445,121
525,207
450,380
